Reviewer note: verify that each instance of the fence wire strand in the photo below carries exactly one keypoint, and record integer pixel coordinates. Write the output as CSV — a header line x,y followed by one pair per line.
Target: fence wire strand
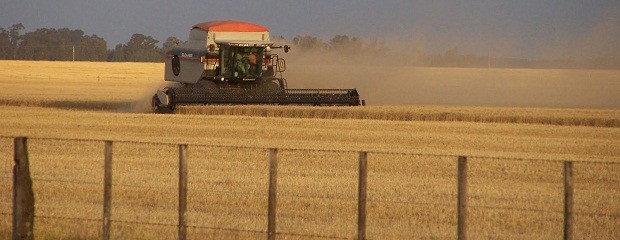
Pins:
x,y
314,236
67,218
144,223
317,150
226,229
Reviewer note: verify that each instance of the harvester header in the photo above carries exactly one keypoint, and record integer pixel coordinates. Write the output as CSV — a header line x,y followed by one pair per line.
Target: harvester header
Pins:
x,y
231,62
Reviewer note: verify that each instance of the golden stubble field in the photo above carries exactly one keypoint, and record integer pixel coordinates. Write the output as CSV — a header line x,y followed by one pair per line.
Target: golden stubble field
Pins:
x,y
410,195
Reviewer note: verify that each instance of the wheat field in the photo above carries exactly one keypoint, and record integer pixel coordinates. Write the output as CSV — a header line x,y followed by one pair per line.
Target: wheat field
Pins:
x,y
128,87
411,195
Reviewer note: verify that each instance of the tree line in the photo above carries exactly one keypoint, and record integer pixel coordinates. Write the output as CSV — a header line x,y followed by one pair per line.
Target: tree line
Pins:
x,y
375,52
66,45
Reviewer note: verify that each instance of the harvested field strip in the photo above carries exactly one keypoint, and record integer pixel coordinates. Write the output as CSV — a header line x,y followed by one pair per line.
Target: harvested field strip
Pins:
x,y
563,117
75,105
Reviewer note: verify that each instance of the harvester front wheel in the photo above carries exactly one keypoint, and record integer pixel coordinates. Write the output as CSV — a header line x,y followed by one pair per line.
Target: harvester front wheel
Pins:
x,y
158,107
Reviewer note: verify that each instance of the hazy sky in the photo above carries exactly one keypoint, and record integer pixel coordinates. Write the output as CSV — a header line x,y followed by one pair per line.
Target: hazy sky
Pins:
x,y
510,28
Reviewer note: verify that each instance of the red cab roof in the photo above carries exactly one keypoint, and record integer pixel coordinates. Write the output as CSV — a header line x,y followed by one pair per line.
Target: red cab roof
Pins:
x,y
230,26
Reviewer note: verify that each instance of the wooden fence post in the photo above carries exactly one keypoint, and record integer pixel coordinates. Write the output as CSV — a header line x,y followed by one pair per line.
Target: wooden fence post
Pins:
x,y
273,185
361,205
182,190
462,198
23,194
107,190
568,200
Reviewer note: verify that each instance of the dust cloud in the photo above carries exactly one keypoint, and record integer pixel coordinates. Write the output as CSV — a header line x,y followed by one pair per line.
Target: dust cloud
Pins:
x,y
381,83
142,104
389,79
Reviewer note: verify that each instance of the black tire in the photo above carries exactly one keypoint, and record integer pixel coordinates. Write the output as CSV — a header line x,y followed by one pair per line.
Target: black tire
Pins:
x,y
158,108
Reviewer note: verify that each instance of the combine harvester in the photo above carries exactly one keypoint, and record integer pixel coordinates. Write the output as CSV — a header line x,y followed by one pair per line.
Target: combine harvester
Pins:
x,y
231,62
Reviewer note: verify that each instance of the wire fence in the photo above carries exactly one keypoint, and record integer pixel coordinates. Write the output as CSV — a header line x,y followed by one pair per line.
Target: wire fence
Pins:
x,y
409,194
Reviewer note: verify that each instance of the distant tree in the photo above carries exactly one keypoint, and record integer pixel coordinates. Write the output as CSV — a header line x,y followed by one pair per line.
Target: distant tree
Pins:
x,y
346,45
375,48
41,44
142,48
6,49
35,45
305,43
9,40
60,44
278,39
169,44
117,54
72,37
92,48
450,58
15,37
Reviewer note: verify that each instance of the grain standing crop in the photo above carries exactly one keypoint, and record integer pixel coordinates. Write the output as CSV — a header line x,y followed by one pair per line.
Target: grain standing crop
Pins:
x,y
576,117
410,195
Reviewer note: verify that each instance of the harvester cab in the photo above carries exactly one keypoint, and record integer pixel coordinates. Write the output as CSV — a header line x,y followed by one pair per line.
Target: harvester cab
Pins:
x,y
247,62
242,62
232,62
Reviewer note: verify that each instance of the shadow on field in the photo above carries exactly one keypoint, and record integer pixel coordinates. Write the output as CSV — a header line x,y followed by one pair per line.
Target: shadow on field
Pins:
x,y
103,106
